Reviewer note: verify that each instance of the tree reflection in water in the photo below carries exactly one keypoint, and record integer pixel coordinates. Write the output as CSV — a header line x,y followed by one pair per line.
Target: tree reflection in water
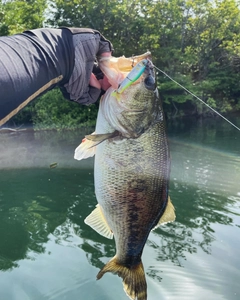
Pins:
x,y
37,204
25,225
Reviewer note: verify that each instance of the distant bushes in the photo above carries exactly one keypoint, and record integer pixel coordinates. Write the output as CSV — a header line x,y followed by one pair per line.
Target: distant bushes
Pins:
x,y
52,110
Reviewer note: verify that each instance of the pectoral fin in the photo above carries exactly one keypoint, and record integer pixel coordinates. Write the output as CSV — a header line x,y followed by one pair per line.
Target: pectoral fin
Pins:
x,y
85,149
97,221
168,216
99,138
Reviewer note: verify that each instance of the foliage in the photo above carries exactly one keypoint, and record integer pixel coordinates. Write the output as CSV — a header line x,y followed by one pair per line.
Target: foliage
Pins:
x,y
122,22
17,16
61,113
195,42
53,111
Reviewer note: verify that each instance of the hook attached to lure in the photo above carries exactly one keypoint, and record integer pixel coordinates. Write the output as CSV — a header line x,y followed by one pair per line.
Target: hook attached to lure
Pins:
x,y
132,76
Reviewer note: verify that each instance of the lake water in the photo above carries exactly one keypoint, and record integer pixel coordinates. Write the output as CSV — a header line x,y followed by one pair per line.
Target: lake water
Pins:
x,y
48,253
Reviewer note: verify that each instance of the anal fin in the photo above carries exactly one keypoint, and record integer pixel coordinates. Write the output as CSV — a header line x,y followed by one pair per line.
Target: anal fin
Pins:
x,y
97,221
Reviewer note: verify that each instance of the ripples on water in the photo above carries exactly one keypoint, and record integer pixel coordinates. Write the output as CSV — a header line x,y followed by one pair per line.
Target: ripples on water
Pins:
x,y
47,252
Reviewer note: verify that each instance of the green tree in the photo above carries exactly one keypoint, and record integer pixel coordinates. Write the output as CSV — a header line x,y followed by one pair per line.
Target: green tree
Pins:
x,y
213,32
195,42
121,21
52,110
3,25
166,34
17,16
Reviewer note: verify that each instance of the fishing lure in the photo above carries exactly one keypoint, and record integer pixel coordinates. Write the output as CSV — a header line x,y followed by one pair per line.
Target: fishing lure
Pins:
x,y
133,76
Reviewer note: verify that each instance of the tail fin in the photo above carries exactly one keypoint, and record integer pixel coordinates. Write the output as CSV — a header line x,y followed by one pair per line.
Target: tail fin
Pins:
x,y
134,281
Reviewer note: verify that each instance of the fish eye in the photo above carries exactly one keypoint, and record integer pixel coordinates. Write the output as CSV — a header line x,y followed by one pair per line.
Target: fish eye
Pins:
x,y
150,83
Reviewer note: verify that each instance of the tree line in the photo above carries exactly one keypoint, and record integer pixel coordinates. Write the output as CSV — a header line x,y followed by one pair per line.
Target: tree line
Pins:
x,y
194,42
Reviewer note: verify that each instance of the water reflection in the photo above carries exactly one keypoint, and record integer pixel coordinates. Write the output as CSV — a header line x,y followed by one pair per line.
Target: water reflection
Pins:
x,y
38,149
26,226
40,206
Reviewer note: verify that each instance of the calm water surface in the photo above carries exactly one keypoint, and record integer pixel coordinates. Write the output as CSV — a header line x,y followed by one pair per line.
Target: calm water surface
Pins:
x,y
48,253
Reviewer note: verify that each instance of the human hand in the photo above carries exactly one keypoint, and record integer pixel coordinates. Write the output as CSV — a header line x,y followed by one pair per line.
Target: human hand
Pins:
x,y
101,83
83,86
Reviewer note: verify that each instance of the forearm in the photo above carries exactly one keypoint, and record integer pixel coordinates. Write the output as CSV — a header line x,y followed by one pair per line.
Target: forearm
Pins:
x,y
30,67
35,61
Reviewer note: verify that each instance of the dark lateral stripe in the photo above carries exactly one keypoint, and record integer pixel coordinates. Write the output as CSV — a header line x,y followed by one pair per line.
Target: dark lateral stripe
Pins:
x,y
29,99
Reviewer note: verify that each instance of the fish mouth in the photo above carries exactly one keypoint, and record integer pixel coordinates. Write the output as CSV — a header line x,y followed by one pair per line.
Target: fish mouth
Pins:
x,y
116,69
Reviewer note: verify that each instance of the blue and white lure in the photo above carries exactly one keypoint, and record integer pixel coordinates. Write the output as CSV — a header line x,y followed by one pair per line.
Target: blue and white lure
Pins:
x,y
132,77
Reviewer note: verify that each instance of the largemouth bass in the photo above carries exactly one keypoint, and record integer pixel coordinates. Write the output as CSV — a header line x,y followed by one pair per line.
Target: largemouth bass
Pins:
x,y
131,173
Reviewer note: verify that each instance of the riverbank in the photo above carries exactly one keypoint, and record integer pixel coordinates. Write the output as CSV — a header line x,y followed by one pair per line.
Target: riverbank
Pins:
x,y
11,127
28,148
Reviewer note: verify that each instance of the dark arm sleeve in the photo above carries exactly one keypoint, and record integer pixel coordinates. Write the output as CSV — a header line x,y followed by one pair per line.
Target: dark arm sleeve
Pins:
x,y
88,44
31,64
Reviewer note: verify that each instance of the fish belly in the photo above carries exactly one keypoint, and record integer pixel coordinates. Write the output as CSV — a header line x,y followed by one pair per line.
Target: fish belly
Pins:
x,y
131,185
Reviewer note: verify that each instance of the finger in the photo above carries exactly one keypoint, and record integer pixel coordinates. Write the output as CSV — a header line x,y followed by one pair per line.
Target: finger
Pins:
x,y
94,82
104,83
106,54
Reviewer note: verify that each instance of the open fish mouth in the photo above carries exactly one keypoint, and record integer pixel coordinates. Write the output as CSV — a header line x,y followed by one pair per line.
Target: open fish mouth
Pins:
x,y
116,69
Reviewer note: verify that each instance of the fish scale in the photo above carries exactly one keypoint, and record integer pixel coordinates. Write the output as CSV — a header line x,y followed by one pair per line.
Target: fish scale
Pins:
x,y
131,175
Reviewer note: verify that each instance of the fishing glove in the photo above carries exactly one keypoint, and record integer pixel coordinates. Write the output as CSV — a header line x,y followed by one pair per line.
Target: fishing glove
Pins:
x,y
88,45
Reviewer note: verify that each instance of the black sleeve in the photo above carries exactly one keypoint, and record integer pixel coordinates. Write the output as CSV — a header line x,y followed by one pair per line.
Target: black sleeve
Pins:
x,y
88,45
31,64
